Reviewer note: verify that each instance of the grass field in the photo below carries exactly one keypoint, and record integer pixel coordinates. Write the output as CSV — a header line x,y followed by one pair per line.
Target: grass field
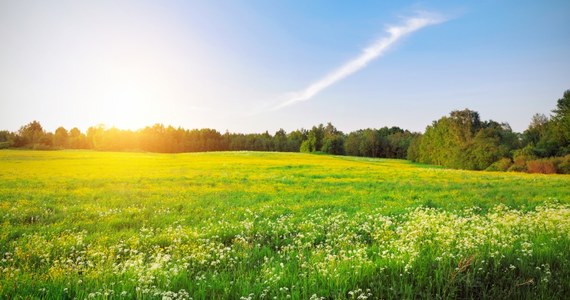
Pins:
x,y
80,224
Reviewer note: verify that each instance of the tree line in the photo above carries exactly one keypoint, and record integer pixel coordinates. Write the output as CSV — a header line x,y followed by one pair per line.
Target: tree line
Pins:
x,y
385,142
461,140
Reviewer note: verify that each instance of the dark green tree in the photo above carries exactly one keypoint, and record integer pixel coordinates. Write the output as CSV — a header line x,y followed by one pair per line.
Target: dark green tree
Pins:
x,y
7,139
352,143
334,145
280,141
558,132
333,140
536,129
294,140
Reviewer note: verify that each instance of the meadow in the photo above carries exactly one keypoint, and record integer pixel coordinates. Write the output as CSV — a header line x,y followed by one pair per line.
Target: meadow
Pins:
x,y
258,225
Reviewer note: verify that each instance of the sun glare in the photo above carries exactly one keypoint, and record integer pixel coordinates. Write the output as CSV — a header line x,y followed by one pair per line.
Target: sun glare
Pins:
x,y
130,94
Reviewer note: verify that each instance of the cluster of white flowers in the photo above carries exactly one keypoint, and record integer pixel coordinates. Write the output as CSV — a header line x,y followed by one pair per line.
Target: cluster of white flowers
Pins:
x,y
321,246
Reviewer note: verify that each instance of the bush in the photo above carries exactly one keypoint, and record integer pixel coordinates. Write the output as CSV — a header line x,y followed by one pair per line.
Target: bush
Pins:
x,y
501,165
522,159
544,166
563,165
518,168
520,162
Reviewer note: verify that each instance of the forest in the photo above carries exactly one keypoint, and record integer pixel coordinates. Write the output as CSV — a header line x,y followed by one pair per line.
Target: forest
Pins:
x,y
460,140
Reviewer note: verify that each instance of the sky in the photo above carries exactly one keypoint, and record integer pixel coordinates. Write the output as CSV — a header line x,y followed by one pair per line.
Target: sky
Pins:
x,y
252,66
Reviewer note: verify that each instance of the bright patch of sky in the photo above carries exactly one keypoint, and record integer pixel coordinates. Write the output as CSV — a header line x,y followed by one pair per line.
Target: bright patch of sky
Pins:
x,y
240,65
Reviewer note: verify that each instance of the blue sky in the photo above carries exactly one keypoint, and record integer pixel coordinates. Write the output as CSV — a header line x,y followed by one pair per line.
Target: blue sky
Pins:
x,y
228,64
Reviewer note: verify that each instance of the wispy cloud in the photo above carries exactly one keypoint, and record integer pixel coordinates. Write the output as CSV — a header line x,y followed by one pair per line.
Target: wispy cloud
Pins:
x,y
373,51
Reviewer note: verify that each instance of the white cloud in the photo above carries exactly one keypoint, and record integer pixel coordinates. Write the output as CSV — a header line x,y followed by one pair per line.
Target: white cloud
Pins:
x,y
373,51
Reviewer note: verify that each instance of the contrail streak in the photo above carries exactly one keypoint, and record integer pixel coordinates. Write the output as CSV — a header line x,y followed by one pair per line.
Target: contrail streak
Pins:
x,y
375,50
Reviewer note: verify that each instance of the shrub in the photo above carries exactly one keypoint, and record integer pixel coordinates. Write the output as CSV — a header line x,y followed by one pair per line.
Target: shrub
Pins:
x,y
519,163
544,166
501,165
522,159
518,168
563,165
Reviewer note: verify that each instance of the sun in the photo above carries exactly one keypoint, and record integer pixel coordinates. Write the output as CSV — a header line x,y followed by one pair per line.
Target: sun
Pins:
x,y
129,98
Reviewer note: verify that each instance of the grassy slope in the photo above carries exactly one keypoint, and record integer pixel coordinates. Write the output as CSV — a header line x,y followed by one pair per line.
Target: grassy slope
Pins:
x,y
106,198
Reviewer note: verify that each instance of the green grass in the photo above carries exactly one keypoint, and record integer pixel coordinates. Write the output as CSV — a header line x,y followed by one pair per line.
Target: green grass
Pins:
x,y
80,224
